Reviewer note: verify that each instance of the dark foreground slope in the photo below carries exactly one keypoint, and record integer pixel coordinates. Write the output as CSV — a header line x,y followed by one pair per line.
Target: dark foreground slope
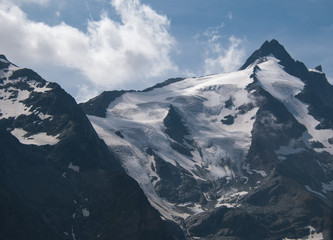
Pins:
x,y
58,180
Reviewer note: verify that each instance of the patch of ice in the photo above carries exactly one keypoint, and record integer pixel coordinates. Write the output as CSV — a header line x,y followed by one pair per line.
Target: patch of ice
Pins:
x,y
246,167
239,194
287,150
73,167
231,200
313,235
327,187
38,139
308,188
11,105
282,158
85,212
262,173
43,116
73,234
315,70
34,84
228,205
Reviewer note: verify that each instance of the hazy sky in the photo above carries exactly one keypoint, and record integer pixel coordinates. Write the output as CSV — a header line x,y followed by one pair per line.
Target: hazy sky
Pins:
x,y
89,46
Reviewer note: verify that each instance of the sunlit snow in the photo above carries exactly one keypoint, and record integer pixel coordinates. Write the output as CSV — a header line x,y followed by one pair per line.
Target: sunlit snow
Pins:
x,y
201,102
73,167
313,235
85,212
285,87
35,139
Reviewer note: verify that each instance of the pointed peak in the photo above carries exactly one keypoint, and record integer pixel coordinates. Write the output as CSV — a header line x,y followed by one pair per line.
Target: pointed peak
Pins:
x,y
3,57
271,45
268,48
319,68
4,63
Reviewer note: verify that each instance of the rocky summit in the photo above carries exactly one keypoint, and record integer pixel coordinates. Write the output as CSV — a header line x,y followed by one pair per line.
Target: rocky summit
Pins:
x,y
58,178
240,155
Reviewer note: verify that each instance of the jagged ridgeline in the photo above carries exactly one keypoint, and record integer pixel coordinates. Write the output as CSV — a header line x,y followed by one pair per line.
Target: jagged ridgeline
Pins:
x,y
241,155
58,179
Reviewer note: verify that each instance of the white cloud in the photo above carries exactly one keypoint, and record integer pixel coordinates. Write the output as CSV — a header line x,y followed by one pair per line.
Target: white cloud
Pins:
x,y
109,54
42,2
223,59
229,16
330,80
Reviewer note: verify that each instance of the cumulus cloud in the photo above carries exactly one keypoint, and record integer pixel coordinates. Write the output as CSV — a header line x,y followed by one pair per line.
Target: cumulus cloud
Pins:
x,y
110,53
42,2
229,16
223,59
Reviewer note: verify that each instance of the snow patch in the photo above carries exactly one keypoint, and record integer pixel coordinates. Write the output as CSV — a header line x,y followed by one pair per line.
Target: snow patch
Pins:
x,y
38,139
313,235
231,200
11,105
250,171
327,187
73,234
284,87
315,70
73,167
85,212
308,188
228,205
43,116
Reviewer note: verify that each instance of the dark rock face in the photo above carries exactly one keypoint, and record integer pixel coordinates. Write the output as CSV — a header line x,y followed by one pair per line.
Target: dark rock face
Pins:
x,y
272,47
319,68
228,120
174,125
176,184
165,83
270,212
72,189
98,105
274,127
318,93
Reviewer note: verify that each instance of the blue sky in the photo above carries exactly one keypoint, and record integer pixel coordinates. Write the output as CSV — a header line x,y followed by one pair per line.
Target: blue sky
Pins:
x,y
93,45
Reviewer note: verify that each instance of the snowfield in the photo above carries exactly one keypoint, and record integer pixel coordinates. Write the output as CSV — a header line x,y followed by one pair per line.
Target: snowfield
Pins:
x,y
212,110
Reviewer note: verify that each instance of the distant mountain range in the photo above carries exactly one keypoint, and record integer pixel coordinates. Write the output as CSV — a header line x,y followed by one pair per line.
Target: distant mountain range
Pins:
x,y
241,155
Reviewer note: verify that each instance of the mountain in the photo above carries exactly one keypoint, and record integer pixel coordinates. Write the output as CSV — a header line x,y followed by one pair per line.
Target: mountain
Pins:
x,y
58,179
241,155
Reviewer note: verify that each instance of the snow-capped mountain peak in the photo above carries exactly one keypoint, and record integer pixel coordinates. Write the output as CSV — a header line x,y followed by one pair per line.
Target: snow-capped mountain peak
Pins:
x,y
197,144
270,48
18,89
